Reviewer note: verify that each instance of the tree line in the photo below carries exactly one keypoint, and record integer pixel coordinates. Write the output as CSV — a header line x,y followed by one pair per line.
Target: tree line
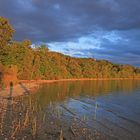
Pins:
x,y
39,62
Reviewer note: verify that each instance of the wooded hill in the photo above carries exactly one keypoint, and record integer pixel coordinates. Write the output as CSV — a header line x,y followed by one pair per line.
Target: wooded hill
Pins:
x,y
26,62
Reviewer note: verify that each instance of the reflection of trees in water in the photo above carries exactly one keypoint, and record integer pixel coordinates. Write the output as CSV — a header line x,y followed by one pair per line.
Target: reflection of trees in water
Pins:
x,y
56,92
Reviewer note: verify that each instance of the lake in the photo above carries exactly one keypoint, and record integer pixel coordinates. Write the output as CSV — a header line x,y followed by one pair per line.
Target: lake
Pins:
x,y
102,110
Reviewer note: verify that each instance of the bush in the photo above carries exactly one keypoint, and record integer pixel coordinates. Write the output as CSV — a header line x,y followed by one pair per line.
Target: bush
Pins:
x,y
9,75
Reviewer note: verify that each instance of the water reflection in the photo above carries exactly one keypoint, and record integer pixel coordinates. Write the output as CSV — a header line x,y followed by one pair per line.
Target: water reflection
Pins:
x,y
59,91
74,110
112,107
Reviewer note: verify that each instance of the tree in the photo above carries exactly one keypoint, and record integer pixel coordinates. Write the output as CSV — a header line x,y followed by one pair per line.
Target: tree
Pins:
x,y
26,43
38,62
36,74
6,32
74,68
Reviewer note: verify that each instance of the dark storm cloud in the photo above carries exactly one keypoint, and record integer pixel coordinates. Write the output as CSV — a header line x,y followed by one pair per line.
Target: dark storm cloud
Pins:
x,y
61,23
53,20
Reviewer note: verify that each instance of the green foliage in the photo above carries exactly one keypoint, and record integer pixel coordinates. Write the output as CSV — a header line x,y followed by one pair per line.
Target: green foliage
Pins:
x,y
6,32
39,63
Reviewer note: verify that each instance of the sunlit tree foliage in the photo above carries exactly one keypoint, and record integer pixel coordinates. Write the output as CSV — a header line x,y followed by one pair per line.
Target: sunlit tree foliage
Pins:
x,y
39,63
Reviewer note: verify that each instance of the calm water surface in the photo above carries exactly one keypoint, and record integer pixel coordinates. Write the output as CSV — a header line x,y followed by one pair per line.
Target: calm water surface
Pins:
x,y
112,107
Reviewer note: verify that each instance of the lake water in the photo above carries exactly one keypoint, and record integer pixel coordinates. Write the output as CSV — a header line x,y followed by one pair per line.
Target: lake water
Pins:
x,y
110,107
76,110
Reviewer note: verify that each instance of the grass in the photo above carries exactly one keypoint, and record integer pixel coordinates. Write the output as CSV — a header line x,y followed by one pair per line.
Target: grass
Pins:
x,y
18,118
24,119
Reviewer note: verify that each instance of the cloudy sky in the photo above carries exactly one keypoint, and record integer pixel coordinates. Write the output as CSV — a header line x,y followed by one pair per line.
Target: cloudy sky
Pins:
x,y
104,29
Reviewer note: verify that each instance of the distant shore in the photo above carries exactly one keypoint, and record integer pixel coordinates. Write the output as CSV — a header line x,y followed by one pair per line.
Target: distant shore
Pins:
x,y
25,87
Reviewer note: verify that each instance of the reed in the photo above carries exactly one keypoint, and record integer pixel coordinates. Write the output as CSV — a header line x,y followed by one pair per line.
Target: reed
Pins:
x,y
34,127
25,119
61,134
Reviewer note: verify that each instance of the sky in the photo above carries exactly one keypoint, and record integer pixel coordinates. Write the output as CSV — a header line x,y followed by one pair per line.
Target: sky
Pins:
x,y
101,29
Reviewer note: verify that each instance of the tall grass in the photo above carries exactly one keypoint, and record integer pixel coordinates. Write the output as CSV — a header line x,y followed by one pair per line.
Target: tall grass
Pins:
x,y
19,117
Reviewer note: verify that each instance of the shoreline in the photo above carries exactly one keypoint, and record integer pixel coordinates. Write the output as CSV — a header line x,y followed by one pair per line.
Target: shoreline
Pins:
x,y
76,79
26,87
